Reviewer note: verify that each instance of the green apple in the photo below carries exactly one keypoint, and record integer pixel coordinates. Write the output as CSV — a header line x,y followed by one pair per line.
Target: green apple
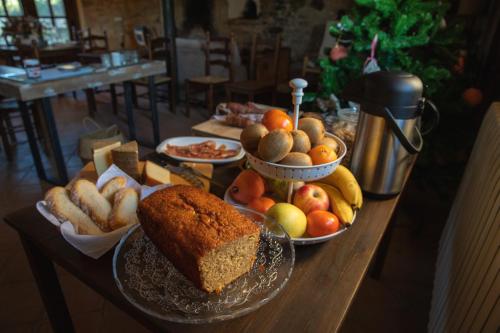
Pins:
x,y
290,217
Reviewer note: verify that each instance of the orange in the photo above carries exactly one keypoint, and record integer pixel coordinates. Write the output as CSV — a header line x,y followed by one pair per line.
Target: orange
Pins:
x,y
322,154
321,223
274,119
261,204
249,185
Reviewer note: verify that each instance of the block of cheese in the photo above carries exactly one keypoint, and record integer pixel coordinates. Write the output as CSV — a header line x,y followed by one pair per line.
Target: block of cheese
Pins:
x,y
102,157
154,174
126,157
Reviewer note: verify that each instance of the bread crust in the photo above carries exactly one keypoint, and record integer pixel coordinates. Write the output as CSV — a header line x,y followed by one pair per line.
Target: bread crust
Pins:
x,y
120,215
85,195
112,187
63,208
186,223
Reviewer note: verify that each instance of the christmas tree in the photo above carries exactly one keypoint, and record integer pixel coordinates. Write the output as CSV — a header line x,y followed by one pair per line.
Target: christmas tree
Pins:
x,y
412,36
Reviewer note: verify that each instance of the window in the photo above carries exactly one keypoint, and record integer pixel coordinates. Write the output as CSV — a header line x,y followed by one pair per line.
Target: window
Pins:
x,y
8,8
52,15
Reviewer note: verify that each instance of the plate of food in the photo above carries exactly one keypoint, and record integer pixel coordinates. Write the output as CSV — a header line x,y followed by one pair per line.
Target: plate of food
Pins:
x,y
201,149
242,259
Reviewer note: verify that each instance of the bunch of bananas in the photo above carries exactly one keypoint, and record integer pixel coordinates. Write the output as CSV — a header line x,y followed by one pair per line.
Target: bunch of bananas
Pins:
x,y
344,193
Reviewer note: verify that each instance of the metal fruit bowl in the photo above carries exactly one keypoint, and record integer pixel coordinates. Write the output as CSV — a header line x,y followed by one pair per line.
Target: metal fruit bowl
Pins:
x,y
298,173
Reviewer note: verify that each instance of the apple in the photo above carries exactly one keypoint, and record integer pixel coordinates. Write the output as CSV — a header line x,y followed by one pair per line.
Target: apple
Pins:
x,y
310,198
290,217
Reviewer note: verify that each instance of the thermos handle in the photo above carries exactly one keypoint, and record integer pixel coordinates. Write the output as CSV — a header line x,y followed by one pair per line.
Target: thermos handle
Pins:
x,y
435,119
410,147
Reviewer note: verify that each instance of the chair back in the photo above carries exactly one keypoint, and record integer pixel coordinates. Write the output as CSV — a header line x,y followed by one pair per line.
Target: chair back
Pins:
x,y
92,42
218,52
158,48
258,47
466,283
25,52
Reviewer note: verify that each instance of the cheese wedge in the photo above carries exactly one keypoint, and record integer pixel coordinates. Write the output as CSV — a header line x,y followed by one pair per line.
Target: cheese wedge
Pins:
x,y
102,157
154,174
126,157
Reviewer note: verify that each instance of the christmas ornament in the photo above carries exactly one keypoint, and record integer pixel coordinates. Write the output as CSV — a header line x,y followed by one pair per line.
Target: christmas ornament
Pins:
x,y
371,64
472,97
338,52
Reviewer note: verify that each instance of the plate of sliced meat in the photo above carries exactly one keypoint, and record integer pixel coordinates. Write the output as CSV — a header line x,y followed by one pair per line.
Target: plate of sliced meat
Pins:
x,y
201,149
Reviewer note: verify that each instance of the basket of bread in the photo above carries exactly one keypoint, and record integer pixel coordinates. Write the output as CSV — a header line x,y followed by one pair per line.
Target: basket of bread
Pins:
x,y
99,205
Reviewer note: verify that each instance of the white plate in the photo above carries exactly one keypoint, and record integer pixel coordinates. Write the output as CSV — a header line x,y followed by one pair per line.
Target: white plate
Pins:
x,y
188,140
301,240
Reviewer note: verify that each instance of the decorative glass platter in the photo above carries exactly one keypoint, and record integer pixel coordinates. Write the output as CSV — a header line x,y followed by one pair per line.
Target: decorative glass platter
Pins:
x,y
151,283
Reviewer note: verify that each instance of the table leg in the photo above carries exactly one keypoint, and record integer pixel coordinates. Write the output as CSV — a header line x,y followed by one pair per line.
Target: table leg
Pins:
x,y
381,254
129,108
91,102
114,103
49,288
154,110
54,143
35,152
173,96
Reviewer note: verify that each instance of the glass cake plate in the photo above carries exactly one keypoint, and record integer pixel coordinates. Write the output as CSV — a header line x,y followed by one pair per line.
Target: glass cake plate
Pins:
x,y
150,282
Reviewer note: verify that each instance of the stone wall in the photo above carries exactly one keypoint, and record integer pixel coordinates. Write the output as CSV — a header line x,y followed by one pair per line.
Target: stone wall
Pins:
x,y
301,22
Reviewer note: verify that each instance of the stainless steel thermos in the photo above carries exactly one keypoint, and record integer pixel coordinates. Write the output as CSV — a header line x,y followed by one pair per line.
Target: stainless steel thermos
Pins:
x,y
388,131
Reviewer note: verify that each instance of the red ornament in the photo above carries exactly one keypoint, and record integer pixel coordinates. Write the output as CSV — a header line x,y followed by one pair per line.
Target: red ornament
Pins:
x,y
338,52
472,97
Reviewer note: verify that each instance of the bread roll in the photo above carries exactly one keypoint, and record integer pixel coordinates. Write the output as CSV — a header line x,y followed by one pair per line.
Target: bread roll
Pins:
x,y
85,195
63,208
124,208
112,186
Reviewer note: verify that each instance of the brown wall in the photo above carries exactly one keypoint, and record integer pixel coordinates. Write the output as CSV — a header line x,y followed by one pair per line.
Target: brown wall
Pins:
x,y
302,24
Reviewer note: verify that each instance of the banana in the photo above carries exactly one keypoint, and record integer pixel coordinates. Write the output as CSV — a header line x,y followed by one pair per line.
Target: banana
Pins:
x,y
340,206
345,181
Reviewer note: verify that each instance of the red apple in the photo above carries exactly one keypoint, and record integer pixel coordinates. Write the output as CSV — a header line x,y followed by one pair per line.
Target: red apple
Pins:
x,y
310,198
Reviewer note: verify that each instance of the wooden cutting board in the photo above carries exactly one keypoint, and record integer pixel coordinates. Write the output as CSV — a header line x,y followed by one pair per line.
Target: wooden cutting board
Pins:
x,y
88,172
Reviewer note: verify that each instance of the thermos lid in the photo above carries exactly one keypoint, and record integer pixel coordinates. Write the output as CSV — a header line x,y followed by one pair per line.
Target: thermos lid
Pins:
x,y
393,89
400,92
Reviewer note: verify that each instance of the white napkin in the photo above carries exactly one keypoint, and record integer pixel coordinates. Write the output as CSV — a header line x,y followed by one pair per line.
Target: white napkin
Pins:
x,y
95,246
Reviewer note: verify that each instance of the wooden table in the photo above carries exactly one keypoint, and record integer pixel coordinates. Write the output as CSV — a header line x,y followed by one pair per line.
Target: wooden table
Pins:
x,y
43,91
316,299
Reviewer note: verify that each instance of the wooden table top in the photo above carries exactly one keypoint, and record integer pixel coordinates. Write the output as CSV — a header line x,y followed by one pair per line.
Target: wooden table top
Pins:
x,y
27,91
316,299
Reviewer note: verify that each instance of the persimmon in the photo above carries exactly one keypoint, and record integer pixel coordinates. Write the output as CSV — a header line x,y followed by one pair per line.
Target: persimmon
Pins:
x,y
274,119
261,204
247,186
322,223
322,154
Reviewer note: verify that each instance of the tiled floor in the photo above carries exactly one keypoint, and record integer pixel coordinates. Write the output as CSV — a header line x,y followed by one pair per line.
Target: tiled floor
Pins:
x,y
397,302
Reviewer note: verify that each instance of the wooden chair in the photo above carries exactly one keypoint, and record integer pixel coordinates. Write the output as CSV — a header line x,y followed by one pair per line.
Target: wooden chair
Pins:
x,y
254,86
9,111
217,53
307,73
158,49
93,43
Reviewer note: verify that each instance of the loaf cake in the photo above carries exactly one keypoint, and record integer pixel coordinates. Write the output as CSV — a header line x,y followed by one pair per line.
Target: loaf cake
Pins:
x,y
206,239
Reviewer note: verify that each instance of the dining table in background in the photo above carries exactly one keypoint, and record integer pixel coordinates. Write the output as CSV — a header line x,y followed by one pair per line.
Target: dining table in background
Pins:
x,y
83,79
317,297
